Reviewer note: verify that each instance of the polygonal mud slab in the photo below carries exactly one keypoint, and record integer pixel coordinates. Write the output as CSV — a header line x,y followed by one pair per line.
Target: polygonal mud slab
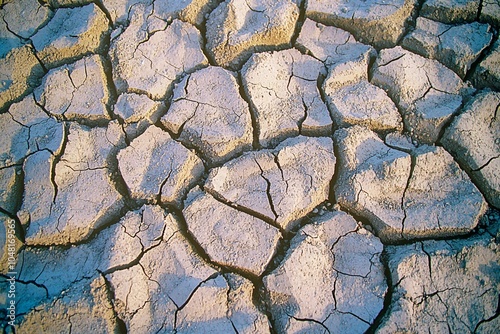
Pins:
x,y
372,177
9,39
426,92
439,196
34,16
71,34
230,237
156,168
444,286
86,306
351,98
330,45
419,196
336,264
283,91
350,69
426,118
238,28
138,112
363,104
408,77
19,71
280,185
373,22
473,139
65,201
27,129
451,11
78,90
487,72
134,54
456,46
222,304
207,112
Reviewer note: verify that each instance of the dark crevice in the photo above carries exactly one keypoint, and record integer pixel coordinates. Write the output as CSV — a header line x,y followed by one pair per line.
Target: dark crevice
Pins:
x,y
336,175
243,209
21,39
56,158
485,164
391,61
310,320
479,10
301,121
355,316
35,53
410,23
469,76
198,249
202,28
268,191
120,328
300,21
113,92
391,286
187,144
38,285
261,295
252,109
260,299
448,122
180,307
130,264
429,260
117,180
493,317
100,4
158,197
403,206
370,67
16,191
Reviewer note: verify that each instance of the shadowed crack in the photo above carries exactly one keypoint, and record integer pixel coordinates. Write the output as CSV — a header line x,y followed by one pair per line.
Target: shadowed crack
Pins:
x,y
310,320
180,307
244,209
268,190
392,60
485,164
493,317
403,206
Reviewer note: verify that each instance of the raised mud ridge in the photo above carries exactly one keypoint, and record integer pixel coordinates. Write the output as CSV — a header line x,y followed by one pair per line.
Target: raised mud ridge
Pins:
x,y
249,166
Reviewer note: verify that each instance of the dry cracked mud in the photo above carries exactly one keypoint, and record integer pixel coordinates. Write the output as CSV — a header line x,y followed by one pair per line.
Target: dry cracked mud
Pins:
x,y
249,166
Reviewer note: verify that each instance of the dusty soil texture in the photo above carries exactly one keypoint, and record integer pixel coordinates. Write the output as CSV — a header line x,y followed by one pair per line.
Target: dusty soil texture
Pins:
x,y
249,166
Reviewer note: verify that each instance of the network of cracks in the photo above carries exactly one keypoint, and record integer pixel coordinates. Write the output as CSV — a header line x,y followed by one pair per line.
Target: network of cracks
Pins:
x,y
250,166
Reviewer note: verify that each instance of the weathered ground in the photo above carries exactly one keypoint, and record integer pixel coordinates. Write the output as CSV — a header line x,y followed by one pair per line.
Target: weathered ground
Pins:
x,y
250,166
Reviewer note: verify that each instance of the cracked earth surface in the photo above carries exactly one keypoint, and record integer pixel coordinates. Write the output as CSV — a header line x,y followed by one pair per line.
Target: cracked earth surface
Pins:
x,y
250,166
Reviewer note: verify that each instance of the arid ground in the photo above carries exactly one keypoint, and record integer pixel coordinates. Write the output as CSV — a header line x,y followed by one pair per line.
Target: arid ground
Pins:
x,y
250,166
